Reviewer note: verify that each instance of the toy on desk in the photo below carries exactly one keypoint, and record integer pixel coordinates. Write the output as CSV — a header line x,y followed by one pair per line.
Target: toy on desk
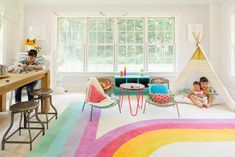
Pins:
x,y
19,69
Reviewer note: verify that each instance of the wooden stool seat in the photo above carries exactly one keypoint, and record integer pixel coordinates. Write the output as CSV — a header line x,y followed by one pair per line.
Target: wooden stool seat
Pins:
x,y
42,91
23,106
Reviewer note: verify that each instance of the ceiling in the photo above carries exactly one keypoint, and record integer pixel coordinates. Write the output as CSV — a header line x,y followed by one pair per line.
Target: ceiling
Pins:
x,y
121,2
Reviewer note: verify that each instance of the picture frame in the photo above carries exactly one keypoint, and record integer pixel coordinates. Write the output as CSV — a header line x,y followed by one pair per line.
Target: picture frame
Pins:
x,y
37,32
196,28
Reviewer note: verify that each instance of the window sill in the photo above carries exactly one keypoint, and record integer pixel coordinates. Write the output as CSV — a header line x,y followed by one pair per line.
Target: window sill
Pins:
x,y
84,74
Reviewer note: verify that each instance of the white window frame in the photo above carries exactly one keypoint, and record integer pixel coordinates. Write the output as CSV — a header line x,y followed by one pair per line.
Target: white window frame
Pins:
x,y
80,44
145,15
126,44
97,44
174,46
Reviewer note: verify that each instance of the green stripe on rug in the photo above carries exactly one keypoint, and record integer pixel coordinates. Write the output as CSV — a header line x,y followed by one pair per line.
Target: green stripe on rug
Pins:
x,y
56,136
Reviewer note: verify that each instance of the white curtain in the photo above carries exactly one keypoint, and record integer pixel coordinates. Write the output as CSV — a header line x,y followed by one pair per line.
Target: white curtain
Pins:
x,y
11,11
11,23
2,8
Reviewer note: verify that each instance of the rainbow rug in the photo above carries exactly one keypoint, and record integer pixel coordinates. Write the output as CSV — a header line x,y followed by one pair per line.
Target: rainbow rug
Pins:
x,y
74,135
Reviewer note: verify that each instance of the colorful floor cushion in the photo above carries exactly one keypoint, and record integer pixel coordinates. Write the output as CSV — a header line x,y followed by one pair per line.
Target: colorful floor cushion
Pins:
x,y
160,98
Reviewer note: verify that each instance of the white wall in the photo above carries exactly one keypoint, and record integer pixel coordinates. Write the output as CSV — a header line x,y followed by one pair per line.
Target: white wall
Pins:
x,y
12,40
214,29
187,14
223,54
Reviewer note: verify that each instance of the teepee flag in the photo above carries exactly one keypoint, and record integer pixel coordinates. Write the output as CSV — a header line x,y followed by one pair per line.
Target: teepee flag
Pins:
x,y
200,64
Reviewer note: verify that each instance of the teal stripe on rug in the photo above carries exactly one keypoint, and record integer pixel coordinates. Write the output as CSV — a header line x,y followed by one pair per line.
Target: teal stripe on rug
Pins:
x,y
53,142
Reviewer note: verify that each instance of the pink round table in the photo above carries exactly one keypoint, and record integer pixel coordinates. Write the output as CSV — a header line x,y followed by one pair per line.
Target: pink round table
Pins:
x,y
138,88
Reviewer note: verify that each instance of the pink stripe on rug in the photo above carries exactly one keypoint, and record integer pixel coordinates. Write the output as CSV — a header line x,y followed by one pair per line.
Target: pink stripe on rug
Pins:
x,y
89,143
89,135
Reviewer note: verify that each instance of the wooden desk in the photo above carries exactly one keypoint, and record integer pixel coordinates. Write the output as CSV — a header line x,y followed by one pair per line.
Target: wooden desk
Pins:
x,y
18,80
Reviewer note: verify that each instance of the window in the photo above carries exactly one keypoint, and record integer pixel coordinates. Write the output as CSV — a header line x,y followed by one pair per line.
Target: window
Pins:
x,y
70,44
161,45
131,43
100,44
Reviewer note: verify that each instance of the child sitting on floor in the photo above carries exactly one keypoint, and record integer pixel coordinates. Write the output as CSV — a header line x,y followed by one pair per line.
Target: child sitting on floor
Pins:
x,y
197,95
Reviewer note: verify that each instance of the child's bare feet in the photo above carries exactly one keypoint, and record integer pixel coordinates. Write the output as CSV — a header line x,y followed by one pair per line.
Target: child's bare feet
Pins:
x,y
199,104
208,105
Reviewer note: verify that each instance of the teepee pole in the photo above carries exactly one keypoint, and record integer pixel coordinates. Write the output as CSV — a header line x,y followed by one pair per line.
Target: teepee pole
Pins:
x,y
196,38
194,35
202,37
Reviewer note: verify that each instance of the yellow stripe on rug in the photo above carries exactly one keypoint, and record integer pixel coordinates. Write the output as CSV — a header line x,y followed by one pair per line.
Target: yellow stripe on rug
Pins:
x,y
146,143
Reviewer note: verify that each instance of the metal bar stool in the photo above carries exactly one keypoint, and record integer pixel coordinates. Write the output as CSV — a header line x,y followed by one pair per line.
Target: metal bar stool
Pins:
x,y
25,108
42,95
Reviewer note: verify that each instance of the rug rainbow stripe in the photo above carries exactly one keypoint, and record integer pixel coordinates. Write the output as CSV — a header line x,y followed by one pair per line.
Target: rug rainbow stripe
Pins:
x,y
74,135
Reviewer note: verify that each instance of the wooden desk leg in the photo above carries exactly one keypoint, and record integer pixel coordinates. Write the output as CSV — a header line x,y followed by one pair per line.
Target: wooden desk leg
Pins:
x,y
2,102
45,83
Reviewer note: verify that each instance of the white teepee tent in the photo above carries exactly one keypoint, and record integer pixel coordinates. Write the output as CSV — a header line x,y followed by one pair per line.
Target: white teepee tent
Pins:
x,y
200,64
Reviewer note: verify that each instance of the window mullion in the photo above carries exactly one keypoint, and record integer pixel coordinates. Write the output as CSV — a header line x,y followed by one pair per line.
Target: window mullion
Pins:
x,y
115,47
145,44
85,44
174,46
